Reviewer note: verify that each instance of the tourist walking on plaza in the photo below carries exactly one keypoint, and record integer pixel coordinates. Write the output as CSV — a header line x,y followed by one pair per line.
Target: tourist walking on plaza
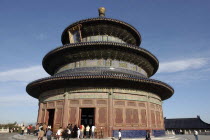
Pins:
x,y
49,134
93,131
41,134
119,134
196,135
148,135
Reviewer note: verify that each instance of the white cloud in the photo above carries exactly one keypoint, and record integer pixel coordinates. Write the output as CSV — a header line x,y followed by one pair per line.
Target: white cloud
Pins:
x,y
182,65
182,78
18,100
27,74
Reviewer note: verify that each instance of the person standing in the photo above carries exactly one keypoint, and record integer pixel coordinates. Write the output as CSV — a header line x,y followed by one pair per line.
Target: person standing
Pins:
x,y
87,131
68,133
22,129
49,127
93,131
75,129
65,134
40,126
30,128
49,134
37,129
41,134
59,133
45,127
196,134
82,128
78,133
119,134
147,135
71,129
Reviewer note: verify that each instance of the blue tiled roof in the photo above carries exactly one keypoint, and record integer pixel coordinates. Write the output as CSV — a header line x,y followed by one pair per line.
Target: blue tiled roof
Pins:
x,y
186,123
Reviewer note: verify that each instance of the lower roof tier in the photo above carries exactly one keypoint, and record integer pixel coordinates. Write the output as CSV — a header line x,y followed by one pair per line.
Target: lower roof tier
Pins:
x,y
99,50
87,80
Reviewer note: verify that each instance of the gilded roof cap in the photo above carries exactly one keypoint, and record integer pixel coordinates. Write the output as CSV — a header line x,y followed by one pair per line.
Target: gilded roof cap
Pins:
x,y
101,11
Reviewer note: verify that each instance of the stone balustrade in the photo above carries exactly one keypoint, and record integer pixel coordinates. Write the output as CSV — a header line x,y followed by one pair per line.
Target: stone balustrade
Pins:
x,y
4,130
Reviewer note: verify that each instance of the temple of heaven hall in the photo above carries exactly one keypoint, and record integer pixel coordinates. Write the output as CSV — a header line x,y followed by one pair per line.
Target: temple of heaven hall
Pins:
x,y
100,76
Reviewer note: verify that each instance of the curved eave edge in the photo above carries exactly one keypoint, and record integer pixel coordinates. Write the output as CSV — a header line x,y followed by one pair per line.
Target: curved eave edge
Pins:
x,y
61,48
140,80
101,19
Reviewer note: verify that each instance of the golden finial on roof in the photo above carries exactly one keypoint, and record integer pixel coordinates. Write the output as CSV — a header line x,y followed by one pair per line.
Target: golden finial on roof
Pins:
x,y
101,11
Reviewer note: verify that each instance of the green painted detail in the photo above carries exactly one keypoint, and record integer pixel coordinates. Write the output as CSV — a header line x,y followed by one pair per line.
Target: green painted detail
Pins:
x,y
115,90
102,63
108,63
122,94
130,97
88,96
55,97
156,102
123,65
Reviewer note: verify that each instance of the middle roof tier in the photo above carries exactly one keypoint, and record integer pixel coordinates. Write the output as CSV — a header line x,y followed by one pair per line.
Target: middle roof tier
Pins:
x,y
73,53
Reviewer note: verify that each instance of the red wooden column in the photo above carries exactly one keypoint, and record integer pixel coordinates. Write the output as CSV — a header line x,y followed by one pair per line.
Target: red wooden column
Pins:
x,y
149,115
39,119
65,110
110,113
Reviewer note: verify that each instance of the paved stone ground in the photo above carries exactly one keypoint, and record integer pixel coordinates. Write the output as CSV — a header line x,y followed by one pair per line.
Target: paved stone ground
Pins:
x,y
15,136
6,136
191,137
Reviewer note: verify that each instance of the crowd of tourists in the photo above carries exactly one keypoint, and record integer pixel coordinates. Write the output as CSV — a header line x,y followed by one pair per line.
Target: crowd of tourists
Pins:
x,y
75,131
71,131
23,129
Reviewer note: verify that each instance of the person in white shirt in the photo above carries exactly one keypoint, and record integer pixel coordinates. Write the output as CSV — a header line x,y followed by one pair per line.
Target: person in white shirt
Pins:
x,y
40,127
22,129
59,133
196,135
78,133
119,134
87,131
49,127
93,131
68,133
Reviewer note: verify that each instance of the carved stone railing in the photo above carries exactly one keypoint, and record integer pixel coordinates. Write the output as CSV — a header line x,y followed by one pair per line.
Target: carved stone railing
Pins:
x,y
4,130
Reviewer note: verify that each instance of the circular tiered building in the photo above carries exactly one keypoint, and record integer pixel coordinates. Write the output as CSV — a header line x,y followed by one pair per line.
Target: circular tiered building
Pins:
x,y
100,76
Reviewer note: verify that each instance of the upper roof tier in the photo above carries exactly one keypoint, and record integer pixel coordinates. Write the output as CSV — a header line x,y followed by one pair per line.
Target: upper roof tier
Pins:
x,y
101,27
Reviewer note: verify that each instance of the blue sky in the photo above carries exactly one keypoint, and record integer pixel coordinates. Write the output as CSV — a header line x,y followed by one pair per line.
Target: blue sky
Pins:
x,y
177,32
